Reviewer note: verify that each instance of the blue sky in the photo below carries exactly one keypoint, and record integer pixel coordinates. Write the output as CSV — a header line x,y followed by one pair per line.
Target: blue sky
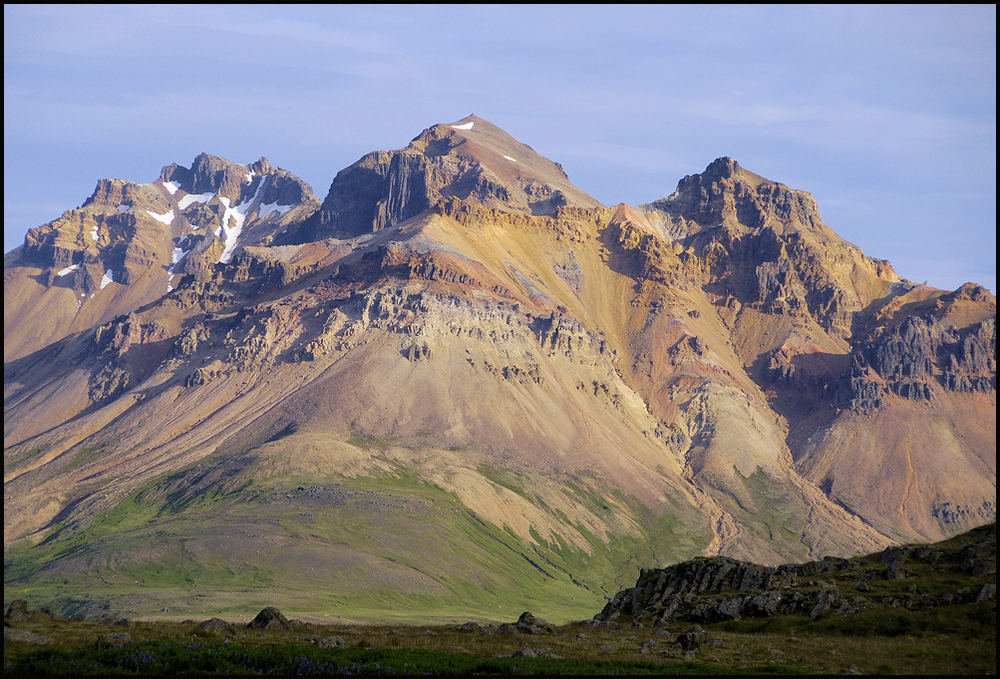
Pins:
x,y
886,114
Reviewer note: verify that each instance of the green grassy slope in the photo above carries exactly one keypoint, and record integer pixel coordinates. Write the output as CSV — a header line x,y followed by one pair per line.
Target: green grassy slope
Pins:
x,y
224,538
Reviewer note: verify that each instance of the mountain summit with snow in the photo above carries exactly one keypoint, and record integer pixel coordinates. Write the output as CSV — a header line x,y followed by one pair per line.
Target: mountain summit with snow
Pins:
x,y
460,385
144,238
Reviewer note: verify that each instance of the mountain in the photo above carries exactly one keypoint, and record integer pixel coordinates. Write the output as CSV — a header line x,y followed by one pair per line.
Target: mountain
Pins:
x,y
461,386
130,243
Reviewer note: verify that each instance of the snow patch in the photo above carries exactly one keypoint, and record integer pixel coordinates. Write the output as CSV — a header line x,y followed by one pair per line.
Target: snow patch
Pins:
x,y
171,187
166,217
237,214
464,126
176,256
513,160
271,208
94,234
124,208
109,277
249,176
69,269
187,200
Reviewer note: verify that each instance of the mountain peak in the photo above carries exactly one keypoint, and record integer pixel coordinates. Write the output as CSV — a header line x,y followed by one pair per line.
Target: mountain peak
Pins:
x,y
470,159
725,167
726,192
217,175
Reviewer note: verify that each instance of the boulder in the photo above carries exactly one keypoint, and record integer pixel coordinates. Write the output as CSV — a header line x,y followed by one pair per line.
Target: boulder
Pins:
x,y
895,571
692,639
987,592
467,627
218,625
824,602
270,619
529,624
730,609
17,611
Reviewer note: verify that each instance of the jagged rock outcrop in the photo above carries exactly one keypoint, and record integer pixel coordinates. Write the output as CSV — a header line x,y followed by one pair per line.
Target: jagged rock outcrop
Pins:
x,y
719,589
225,179
17,611
924,351
727,193
529,624
118,343
710,590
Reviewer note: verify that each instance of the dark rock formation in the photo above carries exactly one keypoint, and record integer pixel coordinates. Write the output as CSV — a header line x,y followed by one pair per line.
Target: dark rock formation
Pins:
x,y
529,624
17,611
218,625
212,174
692,639
921,353
270,618
718,589
726,191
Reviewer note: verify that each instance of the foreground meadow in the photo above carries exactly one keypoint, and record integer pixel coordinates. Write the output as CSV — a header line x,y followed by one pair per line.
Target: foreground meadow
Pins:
x,y
963,641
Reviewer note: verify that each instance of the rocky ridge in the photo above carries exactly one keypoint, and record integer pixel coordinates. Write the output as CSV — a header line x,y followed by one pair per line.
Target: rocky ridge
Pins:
x,y
717,589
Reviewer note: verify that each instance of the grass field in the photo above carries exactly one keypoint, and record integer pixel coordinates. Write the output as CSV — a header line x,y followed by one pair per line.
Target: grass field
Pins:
x,y
938,618
781,646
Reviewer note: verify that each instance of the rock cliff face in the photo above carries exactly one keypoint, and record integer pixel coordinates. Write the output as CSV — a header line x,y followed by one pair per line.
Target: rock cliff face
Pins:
x,y
925,351
458,344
